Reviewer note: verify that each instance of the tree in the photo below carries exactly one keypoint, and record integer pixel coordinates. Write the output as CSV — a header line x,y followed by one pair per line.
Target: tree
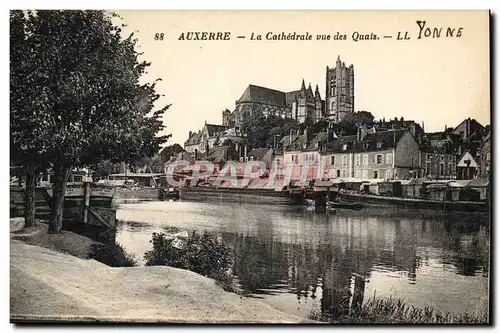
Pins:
x,y
29,123
91,104
260,130
349,124
169,151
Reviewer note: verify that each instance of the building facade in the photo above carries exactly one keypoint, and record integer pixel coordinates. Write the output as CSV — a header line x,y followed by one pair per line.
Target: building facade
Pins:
x,y
485,158
467,167
437,164
389,155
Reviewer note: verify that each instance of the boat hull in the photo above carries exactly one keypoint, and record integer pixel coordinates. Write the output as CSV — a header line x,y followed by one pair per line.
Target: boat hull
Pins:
x,y
462,206
240,195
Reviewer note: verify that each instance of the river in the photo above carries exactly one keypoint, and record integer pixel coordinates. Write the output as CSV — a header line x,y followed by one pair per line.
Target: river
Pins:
x,y
297,260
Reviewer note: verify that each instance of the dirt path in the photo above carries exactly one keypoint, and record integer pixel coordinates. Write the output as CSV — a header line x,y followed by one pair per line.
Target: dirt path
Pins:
x,y
49,285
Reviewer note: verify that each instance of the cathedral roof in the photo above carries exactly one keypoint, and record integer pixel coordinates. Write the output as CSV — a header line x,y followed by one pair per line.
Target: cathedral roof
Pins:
x,y
263,95
291,96
213,129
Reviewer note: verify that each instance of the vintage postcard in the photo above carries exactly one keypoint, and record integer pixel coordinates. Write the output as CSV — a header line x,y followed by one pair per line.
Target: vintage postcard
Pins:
x,y
246,167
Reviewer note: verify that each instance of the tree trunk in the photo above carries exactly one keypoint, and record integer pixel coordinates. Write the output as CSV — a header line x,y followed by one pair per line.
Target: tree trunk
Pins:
x,y
29,196
61,175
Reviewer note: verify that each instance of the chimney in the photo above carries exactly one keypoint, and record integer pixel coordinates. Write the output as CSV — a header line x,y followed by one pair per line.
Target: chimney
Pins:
x,y
362,132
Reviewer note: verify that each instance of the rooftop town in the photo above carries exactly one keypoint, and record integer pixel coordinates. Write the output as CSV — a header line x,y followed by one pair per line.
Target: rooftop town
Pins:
x,y
395,149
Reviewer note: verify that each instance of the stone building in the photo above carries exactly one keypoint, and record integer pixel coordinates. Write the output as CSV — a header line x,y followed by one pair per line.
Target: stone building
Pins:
x,y
300,104
202,141
339,98
371,156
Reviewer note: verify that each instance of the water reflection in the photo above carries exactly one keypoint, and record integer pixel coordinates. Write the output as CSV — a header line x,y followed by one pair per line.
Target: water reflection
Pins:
x,y
287,251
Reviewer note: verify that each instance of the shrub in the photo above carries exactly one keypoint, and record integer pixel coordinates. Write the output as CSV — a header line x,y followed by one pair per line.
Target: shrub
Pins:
x,y
114,256
202,254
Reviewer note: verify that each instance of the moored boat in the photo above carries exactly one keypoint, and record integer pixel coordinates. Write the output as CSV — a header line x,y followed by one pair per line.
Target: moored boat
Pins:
x,y
241,195
344,205
380,200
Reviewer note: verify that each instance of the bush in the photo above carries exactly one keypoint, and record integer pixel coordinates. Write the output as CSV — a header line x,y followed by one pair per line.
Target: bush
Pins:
x,y
396,311
114,256
202,254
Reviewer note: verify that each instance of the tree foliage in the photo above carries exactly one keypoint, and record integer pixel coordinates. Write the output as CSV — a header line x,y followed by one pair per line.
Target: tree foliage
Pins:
x,y
349,124
260,130
76,96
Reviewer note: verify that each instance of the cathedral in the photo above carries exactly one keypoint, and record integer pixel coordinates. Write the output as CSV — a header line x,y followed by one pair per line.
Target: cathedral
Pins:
x,y
301,105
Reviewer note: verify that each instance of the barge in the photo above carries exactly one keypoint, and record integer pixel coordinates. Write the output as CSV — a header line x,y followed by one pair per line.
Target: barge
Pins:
x,y
242,195
380,200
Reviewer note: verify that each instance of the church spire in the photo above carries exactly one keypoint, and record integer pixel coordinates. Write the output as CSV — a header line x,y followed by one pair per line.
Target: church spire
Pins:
x,y
303,85
316,93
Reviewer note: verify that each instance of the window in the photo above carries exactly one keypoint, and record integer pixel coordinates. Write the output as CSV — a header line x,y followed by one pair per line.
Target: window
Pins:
x,y
358,174
338,173
344,160
344,173
333,160
293,158
441,169
45,178
365,174
412,160
380,159
379,144
428,157
427,168
488,157
442,157
365,159
357,159
375,174
388,158
77,179
388,174
344,146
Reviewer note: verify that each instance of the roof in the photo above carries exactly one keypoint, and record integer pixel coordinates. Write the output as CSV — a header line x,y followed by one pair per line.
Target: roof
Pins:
x,y
263,95
287,138
291,96
193,139
371,142
217,155
212,129
319,138
300,142
337,145
473,123
381,140
258,153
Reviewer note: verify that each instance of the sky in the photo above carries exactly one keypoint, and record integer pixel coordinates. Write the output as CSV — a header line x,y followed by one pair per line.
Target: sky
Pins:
x,y
435,81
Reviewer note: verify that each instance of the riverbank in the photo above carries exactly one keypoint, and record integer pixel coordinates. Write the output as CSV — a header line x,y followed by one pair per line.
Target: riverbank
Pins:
x,y
48,285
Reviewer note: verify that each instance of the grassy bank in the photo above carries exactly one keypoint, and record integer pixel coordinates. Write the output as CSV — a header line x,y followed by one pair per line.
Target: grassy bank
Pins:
x,y
396,311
